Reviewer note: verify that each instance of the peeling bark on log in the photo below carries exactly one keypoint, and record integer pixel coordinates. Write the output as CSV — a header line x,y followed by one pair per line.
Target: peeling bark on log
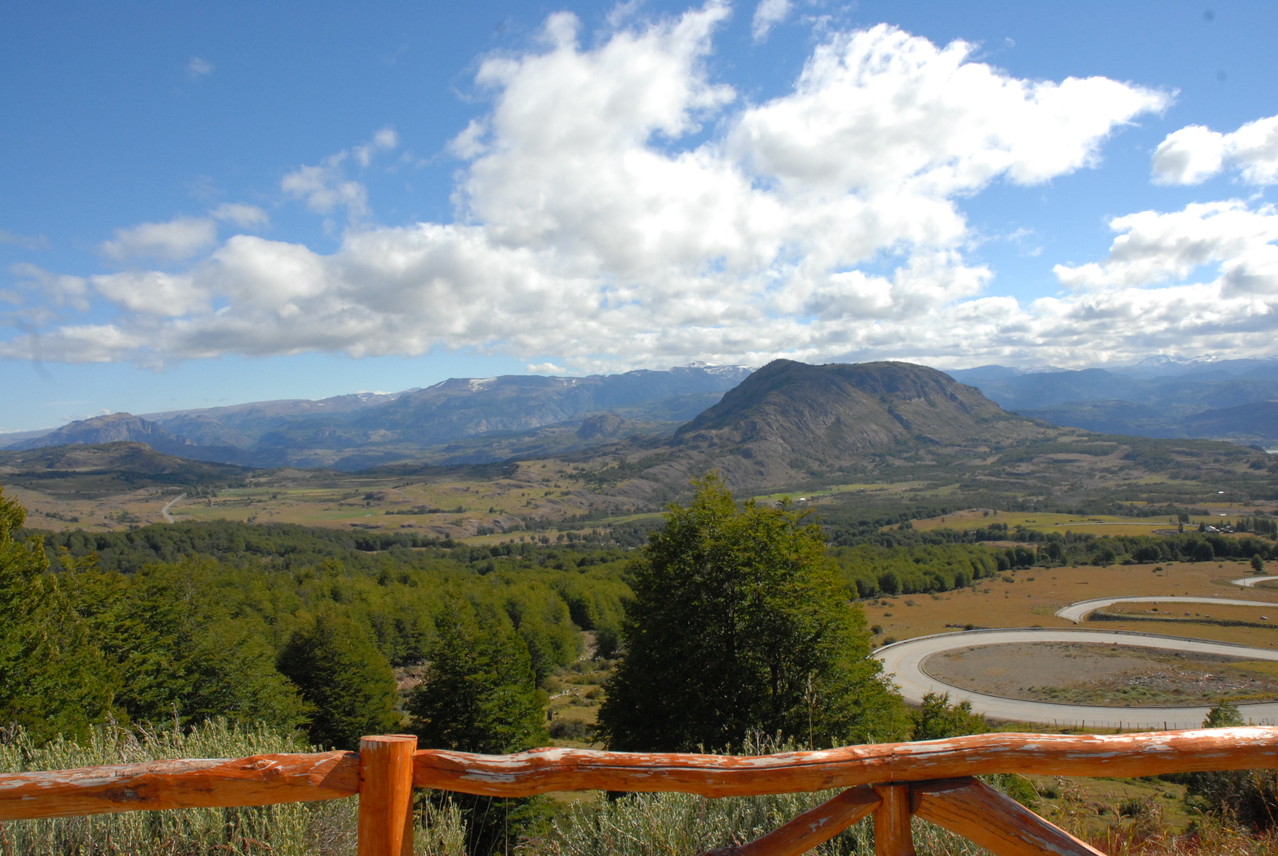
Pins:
x,y
541,771
257,780
993,820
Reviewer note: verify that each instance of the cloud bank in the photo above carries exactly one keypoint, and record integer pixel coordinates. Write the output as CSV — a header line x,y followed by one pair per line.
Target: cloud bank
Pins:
x,y
618,207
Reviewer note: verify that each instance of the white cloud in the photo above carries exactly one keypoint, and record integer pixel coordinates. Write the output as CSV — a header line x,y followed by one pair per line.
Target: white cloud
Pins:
x,y
1153,247
384,140
198,67
767,15
57,290
152,292
327,187
173,241
618,207
241,215
881,111
1196,153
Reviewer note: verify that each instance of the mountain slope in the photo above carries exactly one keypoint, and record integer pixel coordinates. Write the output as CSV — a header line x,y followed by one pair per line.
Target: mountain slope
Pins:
x,y
790,422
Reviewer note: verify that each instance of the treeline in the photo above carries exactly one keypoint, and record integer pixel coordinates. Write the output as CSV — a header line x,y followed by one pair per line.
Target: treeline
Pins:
x,y
906,561
872,570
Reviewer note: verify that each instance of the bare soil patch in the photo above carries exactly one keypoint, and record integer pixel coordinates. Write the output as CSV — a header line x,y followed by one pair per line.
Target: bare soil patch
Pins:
x,y
1103,674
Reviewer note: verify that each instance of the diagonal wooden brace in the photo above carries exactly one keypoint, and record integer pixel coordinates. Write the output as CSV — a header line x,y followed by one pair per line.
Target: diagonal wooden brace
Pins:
x,y
810,829
993,820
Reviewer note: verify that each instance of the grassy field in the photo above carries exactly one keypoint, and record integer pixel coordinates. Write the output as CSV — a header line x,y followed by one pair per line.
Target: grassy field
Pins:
x,y
1029,598
1091,524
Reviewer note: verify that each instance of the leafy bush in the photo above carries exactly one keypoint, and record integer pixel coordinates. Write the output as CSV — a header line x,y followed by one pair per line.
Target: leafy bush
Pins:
x,y
324,828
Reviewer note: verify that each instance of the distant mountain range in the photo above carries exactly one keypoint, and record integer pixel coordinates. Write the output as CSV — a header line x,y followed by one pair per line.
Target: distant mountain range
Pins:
x,y
1232,400
602,448
459,421
476,421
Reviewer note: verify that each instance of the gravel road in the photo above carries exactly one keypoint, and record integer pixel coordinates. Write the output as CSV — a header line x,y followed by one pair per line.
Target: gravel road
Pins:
x,y
906,663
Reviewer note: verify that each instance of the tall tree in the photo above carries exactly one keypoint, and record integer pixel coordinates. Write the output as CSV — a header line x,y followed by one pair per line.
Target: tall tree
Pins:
x,y
480,695
345,679
739,624
51,671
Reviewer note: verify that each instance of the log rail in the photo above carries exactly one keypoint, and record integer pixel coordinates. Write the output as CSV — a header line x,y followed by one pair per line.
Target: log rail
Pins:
x,y
891,782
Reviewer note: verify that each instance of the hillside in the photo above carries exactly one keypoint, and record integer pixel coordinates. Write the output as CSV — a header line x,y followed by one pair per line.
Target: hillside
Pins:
x,y
792,423
108,469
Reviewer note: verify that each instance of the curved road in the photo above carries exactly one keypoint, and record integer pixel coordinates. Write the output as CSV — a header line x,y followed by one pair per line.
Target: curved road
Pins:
x,y
1248,582
905,662
1076,612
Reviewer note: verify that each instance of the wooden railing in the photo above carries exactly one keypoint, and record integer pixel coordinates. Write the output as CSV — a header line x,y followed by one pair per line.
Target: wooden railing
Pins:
x,y
891,782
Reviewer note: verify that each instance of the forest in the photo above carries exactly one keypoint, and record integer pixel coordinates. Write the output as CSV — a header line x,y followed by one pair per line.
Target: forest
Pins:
x,y
131,617
331,635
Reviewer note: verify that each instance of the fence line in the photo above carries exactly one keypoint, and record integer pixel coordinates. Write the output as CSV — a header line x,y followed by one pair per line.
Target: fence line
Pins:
x,y
892,782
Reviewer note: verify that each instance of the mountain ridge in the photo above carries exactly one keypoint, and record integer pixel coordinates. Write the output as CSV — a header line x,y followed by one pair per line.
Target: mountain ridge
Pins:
x,y
788,427
483,420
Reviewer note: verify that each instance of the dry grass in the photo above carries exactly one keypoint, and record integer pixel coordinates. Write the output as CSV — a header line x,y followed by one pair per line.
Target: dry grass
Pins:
x,y
1029,598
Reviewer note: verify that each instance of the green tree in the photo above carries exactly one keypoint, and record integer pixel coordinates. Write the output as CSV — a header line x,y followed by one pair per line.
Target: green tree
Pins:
x,y
480,692
937,717
345,679
50,668
739,625
480,695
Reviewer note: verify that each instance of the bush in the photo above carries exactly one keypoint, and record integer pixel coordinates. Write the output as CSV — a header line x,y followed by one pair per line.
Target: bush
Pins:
x,y
292,829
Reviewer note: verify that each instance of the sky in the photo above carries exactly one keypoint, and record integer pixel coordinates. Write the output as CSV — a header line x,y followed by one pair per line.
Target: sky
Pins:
x,y
205,203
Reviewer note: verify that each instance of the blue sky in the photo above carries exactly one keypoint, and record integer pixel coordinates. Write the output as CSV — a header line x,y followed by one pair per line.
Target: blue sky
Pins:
x,y
212,203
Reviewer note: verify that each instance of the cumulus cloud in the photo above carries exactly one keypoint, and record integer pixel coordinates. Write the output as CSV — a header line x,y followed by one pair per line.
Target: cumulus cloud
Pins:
x,y
1153,248
151,292
881,110
1196,153
327,187
172,241
618,206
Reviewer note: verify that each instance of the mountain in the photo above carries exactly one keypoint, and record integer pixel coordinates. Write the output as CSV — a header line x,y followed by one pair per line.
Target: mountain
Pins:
x,y
868,435
1219,399
458,421
115,428
790,422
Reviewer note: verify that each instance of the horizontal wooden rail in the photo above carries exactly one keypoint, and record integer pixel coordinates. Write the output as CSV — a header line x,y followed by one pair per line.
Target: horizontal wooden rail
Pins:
x,y
541,771
218,783
892,782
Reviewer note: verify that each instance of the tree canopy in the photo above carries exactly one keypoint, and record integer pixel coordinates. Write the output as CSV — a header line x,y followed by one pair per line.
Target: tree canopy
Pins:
x,y
739,625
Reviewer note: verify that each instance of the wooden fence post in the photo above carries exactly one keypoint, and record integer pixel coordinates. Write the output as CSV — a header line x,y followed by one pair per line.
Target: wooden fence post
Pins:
x,y
386,795
892,835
